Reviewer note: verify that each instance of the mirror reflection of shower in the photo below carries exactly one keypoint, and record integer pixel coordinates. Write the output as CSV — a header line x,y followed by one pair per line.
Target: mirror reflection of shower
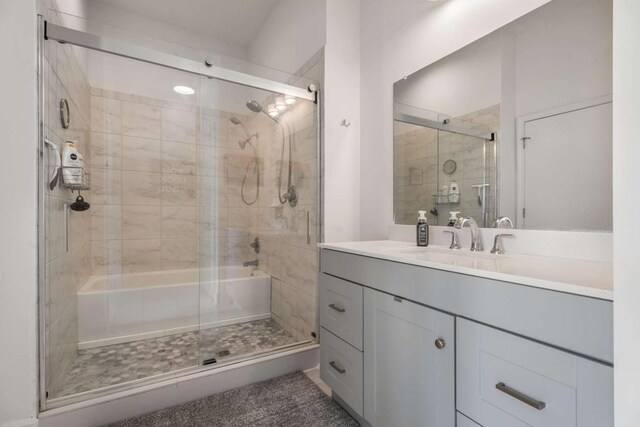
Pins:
x,y
252,162
290,195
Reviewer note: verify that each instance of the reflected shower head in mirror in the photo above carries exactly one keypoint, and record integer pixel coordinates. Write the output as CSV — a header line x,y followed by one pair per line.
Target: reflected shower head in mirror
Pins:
x,y
255,106
237,122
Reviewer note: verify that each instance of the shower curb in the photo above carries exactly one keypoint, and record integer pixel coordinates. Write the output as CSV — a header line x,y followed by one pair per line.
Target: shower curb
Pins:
x,y
137,401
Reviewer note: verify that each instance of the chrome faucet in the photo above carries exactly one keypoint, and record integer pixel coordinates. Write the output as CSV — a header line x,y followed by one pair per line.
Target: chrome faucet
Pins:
x,y
497,243
502,220
253,263
476,242
454,239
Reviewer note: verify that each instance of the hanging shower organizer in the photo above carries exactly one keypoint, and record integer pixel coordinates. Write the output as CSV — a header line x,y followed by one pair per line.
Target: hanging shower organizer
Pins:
x,y
72,177
75,178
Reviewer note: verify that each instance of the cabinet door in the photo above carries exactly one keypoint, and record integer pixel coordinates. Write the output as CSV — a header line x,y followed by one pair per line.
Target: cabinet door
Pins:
x,y
408,380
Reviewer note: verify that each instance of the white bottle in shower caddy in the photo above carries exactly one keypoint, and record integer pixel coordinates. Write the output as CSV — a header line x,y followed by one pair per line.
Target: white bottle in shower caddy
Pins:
x,y
454,192
72,163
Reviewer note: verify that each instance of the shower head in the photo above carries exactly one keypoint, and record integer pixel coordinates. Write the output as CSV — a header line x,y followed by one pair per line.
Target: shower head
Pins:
x,y
236,121
255,106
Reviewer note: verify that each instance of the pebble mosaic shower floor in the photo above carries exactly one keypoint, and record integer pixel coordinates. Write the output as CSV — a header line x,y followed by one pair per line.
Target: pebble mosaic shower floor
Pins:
x,y
104,366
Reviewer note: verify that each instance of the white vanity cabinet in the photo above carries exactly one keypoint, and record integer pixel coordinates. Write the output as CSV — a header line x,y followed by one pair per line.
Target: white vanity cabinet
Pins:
x,y
409,363
507,381
405,345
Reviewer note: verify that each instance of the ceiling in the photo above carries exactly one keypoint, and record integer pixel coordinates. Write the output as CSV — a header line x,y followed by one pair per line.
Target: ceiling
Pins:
x,y
232,21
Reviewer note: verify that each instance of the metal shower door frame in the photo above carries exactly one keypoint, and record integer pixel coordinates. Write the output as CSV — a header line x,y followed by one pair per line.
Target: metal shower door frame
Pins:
x,y
151,56
52,32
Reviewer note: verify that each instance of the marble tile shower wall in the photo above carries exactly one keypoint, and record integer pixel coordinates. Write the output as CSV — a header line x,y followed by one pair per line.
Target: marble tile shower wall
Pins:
x,y
419,156
289,234
144,182
67,240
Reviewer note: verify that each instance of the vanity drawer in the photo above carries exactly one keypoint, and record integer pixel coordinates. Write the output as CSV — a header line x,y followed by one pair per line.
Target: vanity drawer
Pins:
x,y
341,368
341,309
462,421
508,381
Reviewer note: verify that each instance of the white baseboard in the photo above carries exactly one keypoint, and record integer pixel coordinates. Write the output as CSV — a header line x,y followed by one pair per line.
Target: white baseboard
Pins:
x,y
30,422
171,331
130,403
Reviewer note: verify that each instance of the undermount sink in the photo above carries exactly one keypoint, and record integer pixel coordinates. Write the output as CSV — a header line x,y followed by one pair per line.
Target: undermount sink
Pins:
x,y
433,252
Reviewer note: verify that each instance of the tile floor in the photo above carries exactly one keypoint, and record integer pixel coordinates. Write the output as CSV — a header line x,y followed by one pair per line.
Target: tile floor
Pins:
x,y
104,366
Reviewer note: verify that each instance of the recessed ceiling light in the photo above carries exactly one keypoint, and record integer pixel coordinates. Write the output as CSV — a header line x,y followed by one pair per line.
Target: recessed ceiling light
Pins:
x,y
184,90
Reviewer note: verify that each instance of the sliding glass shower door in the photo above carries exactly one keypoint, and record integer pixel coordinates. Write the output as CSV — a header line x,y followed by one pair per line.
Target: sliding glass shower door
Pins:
x,y
257,209
179,214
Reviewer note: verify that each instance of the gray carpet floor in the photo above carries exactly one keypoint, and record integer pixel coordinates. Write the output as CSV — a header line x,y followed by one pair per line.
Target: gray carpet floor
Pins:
x,y
290,400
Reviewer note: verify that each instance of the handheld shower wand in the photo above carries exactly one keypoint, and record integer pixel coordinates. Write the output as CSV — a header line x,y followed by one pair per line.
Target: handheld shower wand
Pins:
x,y
253,161
291,195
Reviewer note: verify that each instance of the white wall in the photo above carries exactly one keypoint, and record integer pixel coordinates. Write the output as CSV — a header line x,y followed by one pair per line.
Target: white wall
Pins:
x,y
18,261
291,34
398,38
342,101
163,36
465,81
626,158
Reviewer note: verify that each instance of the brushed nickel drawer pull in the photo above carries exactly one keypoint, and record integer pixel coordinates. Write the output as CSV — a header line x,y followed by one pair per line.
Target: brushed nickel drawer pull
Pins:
x,y
537,404
440,343
336,367
336,308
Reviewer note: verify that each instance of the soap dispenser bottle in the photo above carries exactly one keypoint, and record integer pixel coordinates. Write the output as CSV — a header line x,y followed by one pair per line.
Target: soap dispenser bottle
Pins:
x,y
453,217
422,229
454,192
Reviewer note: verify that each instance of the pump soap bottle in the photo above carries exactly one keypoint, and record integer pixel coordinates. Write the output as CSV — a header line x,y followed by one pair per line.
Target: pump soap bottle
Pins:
x,y
453,217
422,229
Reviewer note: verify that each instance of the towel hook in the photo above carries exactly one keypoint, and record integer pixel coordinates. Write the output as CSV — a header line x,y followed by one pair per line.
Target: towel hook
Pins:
x,y
345,123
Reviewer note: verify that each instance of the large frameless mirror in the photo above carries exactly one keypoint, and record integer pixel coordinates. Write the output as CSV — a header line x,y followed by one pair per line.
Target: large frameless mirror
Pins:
x,y
516,124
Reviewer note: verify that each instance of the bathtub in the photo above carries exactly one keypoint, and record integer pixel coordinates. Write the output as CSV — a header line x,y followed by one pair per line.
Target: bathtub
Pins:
x,y
114,309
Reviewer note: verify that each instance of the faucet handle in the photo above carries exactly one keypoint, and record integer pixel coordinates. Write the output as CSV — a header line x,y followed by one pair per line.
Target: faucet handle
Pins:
x,y
454,239
497,243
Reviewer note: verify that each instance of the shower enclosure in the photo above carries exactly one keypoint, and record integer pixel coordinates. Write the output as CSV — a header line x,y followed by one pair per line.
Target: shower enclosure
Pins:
x,y
445,165
199,245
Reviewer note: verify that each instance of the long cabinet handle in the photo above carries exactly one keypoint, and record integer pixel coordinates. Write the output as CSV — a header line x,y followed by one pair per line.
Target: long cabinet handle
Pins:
x,y
336,367
534,403
336,308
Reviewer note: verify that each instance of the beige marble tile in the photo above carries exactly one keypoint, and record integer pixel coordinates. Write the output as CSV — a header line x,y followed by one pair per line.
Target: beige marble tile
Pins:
x,y
106,222
211,161
179,126
179,254
106,150
178,158
141,222
178,190
289,300
141,255
141,154
141,120
107,256
276,297
141,188
306,318
242,221
106,115
214,130
238,250
106,186
306,273
179,222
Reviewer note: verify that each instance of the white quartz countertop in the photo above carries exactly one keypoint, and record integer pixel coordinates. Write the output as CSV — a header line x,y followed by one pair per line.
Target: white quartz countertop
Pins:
x,y
587,278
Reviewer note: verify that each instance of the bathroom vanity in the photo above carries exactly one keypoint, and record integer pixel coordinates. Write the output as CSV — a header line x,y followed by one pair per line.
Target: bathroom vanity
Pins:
x,y
434,337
